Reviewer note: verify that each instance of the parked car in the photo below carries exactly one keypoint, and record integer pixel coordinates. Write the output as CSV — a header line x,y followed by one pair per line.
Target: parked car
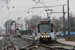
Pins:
x,y
58,34
73,33
6,35
66,34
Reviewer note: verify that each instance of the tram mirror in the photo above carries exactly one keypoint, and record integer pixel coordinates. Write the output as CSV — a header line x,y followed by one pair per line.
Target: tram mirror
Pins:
x,y
51,25
38,28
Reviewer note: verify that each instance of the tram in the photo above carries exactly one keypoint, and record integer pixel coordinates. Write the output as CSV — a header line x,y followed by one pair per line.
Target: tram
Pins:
x,y
45,31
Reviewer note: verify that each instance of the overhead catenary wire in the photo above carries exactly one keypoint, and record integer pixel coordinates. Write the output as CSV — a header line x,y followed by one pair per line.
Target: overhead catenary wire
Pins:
x,y
48,6
41,1
3,5
51,1
32,8
28,10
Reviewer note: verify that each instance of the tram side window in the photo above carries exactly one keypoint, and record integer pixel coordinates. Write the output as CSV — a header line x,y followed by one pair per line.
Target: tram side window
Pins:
x,y
51,27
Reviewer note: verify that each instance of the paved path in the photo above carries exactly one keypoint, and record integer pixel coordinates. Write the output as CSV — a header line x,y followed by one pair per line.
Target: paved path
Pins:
x,y
66,42
2,40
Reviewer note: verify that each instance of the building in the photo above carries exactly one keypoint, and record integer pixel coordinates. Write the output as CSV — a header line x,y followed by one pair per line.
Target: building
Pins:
x,y
33,28
20,24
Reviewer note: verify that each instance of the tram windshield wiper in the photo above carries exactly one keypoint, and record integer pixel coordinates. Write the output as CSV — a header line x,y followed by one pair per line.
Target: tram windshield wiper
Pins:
x,y
47,30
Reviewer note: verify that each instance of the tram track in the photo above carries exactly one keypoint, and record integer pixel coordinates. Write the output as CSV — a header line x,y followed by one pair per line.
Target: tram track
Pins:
x,y
20,43
8,44
32,46
50,46
15,43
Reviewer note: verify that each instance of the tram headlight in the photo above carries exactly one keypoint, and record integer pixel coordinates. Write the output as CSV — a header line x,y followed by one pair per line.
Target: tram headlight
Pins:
x,y
45,36
48,36
42,36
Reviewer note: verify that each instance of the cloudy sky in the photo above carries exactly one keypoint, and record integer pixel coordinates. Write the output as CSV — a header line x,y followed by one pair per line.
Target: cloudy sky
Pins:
x,y
19,8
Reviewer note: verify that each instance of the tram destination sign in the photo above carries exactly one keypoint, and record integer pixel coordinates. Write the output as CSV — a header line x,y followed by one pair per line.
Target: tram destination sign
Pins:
x,y
43,22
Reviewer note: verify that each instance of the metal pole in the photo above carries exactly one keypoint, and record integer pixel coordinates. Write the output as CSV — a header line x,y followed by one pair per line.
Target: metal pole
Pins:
x,y
15,27
58,27
26,25
68,18
64,22
36,26
6,27
10,28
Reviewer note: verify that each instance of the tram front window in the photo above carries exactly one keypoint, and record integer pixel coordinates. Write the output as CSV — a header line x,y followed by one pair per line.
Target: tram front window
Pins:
x,y
45,28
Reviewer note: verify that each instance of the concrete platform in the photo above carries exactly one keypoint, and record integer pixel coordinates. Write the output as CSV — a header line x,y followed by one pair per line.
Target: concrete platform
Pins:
x,y
63,41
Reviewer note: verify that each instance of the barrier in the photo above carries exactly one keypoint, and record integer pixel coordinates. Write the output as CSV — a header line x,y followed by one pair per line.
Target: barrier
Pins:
x,y
71,38
26,32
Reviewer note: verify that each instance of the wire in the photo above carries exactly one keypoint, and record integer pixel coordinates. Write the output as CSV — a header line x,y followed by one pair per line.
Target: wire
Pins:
x,y
3,5
51,1
48,6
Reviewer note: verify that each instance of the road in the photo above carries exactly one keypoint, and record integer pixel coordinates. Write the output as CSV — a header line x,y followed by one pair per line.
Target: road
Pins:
x,y
2,41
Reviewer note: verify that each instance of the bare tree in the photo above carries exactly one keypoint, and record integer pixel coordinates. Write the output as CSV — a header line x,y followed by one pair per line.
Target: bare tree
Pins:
x,y
34,20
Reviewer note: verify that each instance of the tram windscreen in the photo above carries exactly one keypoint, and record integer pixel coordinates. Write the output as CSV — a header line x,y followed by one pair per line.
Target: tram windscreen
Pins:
x,y
45,28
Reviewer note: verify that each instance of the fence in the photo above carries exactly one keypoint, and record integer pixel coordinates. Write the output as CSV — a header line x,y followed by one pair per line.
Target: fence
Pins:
x,y
72,38
26,32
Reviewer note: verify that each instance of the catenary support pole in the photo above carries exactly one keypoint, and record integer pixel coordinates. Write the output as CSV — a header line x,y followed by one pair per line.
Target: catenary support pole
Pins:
x,y
64,22
6,27
68,18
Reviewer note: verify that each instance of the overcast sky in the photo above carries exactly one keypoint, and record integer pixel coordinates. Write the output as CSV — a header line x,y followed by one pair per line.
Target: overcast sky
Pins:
x,y
21,8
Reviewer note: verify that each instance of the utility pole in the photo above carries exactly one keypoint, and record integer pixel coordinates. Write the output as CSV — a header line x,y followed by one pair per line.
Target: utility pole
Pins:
x,y
64,22
63,19
68,18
